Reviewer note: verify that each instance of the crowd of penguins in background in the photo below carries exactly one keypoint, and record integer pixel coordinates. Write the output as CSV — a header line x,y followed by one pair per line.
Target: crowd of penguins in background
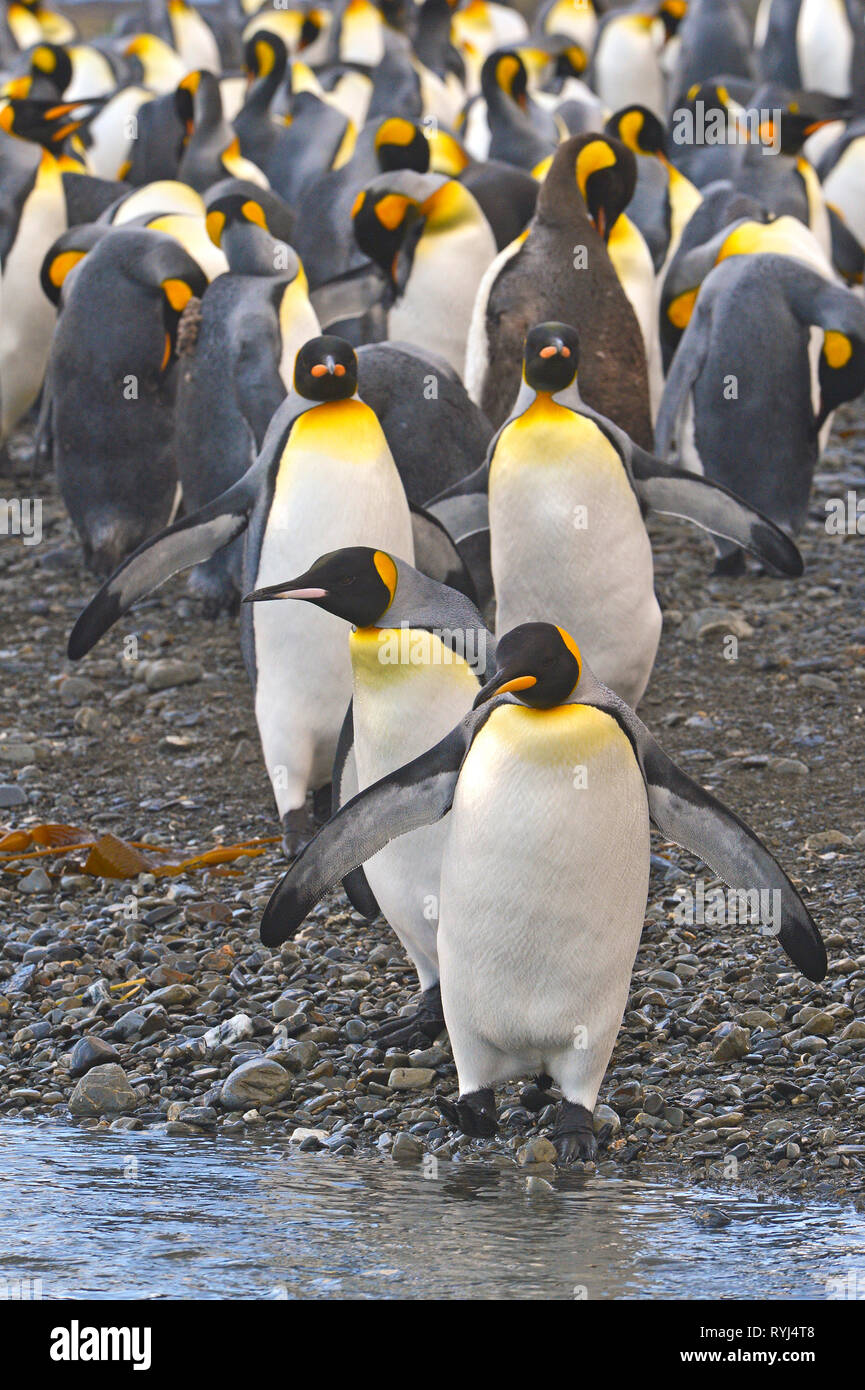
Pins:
x,y
409,313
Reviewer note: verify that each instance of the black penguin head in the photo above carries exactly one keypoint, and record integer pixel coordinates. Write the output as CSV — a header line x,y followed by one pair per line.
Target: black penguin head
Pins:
x,y
357,584
639,129
387,227
231,209
48,123
50,62
504,73
537,661
787,127
571,60
325,369
551,357
401,144
264,54
671,13
198,101
841,372
606,172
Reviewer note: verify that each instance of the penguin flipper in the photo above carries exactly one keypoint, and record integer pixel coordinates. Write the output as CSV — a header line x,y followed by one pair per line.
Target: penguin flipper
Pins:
x,y
689,815
675,492
188,542
685,368
417,794
344,786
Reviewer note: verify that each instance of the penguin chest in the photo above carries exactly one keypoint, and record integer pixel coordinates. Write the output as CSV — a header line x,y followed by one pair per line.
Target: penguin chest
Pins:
x,y
28,318
568,544
336,485
824,44
410,689
436,309
545,876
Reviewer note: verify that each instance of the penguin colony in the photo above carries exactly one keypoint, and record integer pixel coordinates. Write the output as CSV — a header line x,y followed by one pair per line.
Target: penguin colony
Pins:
x,y
393,319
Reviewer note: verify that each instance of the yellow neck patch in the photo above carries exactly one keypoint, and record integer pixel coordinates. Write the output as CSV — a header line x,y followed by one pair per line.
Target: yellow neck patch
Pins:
x,y
592,158
837,349
386,570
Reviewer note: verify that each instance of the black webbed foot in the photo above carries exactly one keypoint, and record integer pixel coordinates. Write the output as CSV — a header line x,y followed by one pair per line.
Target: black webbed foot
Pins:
x,y
473,1114
574,1134
418,1029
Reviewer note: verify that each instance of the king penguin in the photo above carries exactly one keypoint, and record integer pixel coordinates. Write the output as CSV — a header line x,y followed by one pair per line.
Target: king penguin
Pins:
x,y
236,367
419,652
566,495
745,360
551,783
560,269
324,477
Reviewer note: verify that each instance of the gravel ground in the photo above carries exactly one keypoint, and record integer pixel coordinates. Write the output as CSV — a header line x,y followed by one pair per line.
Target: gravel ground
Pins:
x,y
730,1066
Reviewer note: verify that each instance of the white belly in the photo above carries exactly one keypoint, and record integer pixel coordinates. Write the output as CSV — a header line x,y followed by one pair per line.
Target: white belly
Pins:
x,y
28,318
627,69
568,546
845,187
436,310
321,502
824,44
543,894
402,707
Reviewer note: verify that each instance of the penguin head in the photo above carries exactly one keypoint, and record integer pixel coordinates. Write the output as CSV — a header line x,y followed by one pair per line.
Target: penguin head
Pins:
x,y
198,101
788,126
387,227
233,209
357,584
671,13
50,63
551,357
325,369
264,55
48,123
841,372
537,661
606,172
571,60
504,73
401,144
639,129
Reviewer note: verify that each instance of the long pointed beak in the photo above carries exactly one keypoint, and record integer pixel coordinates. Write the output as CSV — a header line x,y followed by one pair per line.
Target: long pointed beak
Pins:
x,y
291,589
507,681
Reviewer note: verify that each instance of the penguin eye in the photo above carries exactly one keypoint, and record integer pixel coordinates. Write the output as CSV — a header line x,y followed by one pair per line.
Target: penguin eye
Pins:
x,y
347,581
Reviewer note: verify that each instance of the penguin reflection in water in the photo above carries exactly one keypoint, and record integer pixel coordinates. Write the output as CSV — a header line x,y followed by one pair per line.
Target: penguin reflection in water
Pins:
x,y
551,782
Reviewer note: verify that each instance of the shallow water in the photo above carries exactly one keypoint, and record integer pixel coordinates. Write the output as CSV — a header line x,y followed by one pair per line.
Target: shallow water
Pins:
x,y
139,1215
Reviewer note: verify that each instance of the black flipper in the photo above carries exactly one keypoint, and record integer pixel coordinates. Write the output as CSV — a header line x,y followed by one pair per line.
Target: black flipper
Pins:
x,y
343,787
686,813
417,794
675,492
188,542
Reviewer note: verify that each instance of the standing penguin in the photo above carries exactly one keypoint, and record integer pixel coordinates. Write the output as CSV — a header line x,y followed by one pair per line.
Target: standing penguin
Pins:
x,y
324,477
545,873
560,270
566,495
236,368
504,122
740,396
419,652
626,65
112,385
